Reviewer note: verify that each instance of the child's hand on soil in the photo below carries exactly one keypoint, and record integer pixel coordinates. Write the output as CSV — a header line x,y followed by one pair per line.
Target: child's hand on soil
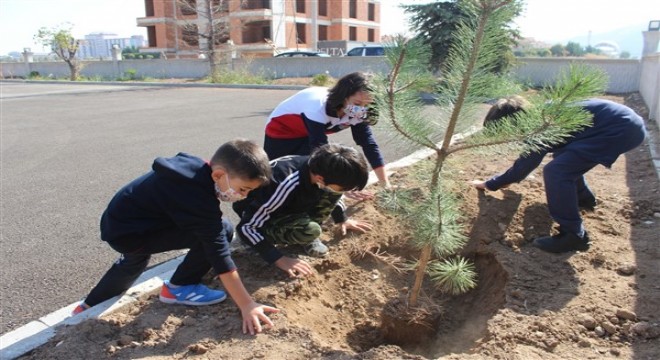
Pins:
x,y
294,267
357,225
359,195
479,184
253,315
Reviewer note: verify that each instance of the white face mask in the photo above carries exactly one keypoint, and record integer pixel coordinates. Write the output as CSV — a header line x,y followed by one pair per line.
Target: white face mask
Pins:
x,y
328,189
355,111
230,195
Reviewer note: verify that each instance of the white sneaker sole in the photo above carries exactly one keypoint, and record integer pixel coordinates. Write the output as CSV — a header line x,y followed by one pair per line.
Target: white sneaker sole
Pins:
x,y
190,302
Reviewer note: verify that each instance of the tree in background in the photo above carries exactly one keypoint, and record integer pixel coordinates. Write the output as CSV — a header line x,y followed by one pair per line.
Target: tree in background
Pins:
x,y
211,25
132,52
63,44
558,50
574,49
436,22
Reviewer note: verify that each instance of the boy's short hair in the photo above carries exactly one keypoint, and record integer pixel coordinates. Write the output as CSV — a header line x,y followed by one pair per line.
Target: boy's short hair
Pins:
x,y
340,165
504,108
243,158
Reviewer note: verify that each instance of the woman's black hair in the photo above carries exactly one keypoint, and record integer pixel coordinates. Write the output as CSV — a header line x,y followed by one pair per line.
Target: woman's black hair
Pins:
x,y
346,87
340,165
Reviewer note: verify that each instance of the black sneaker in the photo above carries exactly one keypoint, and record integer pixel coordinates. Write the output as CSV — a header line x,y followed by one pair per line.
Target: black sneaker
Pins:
x,y
562,242
588,204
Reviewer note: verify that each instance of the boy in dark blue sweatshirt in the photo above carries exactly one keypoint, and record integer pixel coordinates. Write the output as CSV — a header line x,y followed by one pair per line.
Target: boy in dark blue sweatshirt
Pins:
x,y
177,206
614,130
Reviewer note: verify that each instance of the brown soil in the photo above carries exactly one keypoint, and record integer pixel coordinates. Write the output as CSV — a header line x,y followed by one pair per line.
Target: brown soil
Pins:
x,y
603,303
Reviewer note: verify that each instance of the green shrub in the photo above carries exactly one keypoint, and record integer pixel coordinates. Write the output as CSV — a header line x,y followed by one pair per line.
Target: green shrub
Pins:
x,y
236,77
321,79
130,75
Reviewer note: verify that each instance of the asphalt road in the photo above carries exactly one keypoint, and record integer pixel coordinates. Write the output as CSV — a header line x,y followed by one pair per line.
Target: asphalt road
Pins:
x,y
67,148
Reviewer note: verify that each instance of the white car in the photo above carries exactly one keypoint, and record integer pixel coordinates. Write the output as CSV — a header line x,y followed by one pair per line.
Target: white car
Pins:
x,y
366,51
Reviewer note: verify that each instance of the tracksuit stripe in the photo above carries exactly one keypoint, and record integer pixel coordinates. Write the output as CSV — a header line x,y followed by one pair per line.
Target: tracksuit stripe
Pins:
x,y
276,200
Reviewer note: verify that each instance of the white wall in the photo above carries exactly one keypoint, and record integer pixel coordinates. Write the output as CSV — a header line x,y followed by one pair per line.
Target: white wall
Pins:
x,y
624,75
649,86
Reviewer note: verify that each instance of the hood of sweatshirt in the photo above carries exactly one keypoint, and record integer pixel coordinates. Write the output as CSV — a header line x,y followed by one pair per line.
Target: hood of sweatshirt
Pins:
x,y
183,167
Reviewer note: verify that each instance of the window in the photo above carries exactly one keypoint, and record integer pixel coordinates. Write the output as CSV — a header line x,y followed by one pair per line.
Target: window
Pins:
x,y
149,8
151,35
188,7
265,32
352,9
300,6
221,33
189,32
323,7
323,32
355,52
219,6
300,33
371,35
374,51
372,12
352,33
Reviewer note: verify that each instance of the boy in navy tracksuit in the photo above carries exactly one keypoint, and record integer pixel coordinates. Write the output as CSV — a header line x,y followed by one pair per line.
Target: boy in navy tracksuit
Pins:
x,y
615,129
177,206
302,193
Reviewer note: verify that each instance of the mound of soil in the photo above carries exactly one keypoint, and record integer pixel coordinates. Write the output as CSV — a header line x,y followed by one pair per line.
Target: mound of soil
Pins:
x,y
603,303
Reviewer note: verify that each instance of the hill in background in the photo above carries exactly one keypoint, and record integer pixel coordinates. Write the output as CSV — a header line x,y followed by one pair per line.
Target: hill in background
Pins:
x,y
628,39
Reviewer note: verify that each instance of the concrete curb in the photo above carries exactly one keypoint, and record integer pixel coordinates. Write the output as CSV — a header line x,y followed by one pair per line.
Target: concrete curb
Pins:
x,y
36,333
653,141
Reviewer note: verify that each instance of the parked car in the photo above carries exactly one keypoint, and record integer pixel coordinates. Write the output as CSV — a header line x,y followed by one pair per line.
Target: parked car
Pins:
x,y
366,51
302,54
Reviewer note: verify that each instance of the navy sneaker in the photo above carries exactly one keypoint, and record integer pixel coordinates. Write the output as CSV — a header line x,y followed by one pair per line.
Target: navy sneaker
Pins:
x,y
196,295
588,204
562,242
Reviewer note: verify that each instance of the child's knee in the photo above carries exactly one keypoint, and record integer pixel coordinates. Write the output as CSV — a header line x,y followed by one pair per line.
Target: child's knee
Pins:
x,y
314,230
306,234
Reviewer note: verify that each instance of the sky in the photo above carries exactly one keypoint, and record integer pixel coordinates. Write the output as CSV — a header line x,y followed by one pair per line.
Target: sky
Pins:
x,y
545,20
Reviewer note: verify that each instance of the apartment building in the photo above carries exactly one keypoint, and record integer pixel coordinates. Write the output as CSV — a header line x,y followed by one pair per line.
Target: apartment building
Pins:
x,y
99,45
258,27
